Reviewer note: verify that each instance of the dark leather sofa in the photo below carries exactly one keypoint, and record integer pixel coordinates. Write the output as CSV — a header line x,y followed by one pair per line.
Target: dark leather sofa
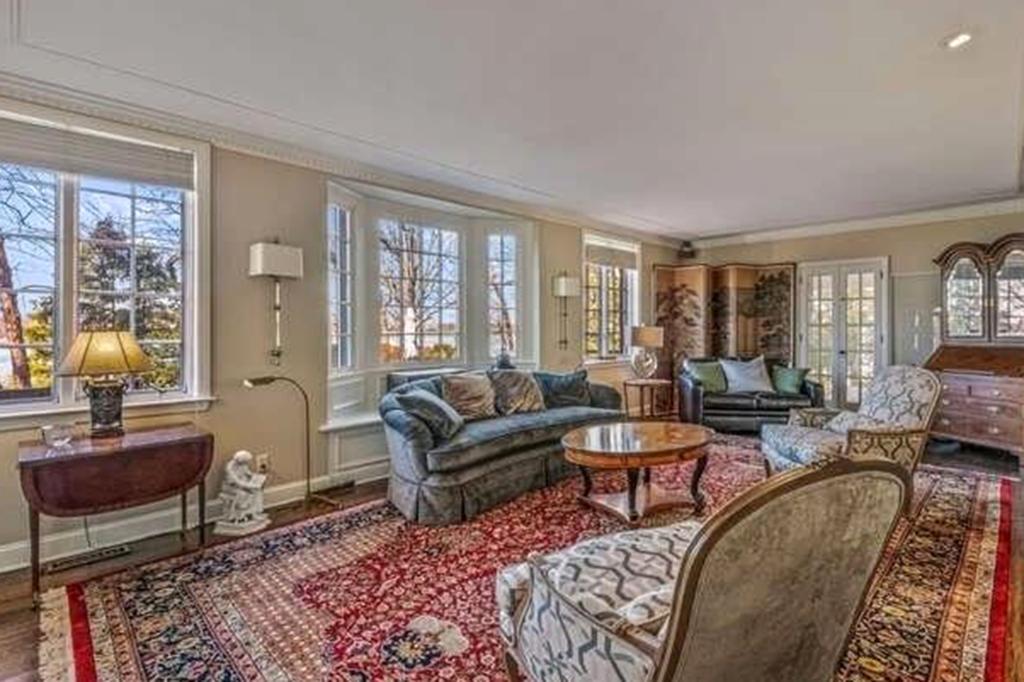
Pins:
x,y
741,412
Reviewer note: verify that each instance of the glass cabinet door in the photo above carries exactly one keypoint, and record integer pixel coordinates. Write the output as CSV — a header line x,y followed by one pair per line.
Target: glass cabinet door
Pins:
x,y
965,301
1009,292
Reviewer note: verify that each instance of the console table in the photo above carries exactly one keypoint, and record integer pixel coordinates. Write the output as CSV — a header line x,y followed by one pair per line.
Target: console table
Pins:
x,y
94,475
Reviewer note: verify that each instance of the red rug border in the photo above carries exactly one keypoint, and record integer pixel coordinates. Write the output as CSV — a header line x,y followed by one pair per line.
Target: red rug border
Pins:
x,y
995,660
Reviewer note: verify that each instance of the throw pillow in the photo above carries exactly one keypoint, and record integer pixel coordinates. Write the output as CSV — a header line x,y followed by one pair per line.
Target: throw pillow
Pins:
x,y
515,391
564,390
471,395
708,373
440,417
843,422
742,377
789,380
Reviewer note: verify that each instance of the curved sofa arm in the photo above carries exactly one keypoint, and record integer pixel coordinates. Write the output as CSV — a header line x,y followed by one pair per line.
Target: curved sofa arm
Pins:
x,y
605,396
408,440
813,417
903,446
815,391
691,399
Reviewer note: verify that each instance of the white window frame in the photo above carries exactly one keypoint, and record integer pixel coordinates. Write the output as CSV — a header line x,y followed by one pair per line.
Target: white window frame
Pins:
x,y
68,399
632,302
347,201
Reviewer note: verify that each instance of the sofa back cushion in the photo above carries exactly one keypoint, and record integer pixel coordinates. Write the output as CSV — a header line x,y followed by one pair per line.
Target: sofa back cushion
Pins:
x,y
471,395
709,373
743,376
440,417
564,390
515,391
788,380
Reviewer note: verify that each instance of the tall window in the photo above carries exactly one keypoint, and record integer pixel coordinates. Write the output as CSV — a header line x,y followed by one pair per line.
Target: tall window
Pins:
x,y
420,292
611,295
129,263
339,287
502,314
609,313
28,280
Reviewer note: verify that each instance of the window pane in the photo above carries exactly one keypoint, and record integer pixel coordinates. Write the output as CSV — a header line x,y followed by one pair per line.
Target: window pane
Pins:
x,y
104,268
132,242
28,253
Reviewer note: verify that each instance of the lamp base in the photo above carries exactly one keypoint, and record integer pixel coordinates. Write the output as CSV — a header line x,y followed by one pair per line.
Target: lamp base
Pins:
x,y
644,363
105,402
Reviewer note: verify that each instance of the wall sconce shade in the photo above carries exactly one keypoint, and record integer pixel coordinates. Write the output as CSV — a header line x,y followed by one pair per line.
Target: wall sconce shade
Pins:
x,y
275,260
564,286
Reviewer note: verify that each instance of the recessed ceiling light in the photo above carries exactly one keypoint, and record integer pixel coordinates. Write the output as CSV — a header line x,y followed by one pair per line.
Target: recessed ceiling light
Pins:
x,y
957,41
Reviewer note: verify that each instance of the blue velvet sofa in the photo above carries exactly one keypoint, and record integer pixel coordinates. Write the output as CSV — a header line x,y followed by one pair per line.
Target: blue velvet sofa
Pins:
x,y
487,462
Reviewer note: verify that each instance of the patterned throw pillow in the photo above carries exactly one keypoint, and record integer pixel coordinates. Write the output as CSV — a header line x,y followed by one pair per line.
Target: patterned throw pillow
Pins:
x,y
845,421
515,391
747,376
440,417
471,395
709,374
564,390
788,380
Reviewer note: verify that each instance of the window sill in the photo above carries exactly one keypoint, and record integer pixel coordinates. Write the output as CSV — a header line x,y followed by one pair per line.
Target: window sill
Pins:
x,y
351,422
606,362
35,416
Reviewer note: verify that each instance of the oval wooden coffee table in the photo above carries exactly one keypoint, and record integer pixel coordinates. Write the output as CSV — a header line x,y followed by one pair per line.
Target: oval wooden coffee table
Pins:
x,y
636,447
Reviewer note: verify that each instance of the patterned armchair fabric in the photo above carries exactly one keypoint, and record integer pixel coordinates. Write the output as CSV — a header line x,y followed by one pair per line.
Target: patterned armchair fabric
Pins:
x,y
891,423
749,595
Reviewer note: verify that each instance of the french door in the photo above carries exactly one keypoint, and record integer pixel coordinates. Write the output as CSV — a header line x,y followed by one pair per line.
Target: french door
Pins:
x,y
843,325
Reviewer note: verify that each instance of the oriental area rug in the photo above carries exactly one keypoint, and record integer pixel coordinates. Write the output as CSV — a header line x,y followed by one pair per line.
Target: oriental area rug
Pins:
x,y
361,594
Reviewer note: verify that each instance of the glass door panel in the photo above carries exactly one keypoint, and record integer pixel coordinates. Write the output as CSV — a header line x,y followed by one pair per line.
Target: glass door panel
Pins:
x,y
860,334
821,328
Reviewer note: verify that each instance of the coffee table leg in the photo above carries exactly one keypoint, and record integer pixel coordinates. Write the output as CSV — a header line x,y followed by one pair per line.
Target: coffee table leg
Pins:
x,y
587,483
632,478
698,496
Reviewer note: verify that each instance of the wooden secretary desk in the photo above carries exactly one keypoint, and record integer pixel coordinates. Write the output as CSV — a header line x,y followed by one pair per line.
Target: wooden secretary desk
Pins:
x,y
980,361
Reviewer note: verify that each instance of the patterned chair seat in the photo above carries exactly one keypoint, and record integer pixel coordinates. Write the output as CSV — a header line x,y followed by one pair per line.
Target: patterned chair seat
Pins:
x,y
624,581
787,446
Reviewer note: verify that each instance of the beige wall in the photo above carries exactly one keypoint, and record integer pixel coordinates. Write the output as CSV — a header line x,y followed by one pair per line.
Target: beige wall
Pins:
x,y
914,283
254,199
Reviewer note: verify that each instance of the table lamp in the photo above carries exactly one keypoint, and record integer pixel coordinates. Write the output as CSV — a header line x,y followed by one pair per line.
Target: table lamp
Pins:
x,y
104,358
645,363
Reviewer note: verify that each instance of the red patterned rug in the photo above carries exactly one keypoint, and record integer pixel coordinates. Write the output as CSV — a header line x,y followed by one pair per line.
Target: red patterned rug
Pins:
x,y
362,595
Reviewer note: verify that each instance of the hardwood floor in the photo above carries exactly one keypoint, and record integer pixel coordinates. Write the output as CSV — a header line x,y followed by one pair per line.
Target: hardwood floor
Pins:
x,y
19,631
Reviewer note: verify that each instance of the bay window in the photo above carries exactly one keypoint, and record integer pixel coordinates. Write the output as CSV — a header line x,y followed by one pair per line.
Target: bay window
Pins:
x,y
339,287
502,293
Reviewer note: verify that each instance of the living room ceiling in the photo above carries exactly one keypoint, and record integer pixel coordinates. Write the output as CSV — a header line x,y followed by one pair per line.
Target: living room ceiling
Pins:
x,y
687,119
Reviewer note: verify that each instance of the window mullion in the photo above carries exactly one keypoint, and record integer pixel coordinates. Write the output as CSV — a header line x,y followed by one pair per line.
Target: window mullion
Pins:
x,y
67,284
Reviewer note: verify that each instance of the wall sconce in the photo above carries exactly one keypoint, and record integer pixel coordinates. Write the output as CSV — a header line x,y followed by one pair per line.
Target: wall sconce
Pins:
x,y
270,259
564,287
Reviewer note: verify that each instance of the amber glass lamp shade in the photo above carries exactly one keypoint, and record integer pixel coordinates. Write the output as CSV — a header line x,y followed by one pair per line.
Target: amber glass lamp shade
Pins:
x,y
104,356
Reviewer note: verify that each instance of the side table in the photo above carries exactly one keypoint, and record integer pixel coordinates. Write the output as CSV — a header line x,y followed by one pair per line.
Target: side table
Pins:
x,y
648,390
94,475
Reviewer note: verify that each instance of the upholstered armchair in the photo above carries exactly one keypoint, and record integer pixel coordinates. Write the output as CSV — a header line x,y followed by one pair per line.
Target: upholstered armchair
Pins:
x,y
891,423
748,595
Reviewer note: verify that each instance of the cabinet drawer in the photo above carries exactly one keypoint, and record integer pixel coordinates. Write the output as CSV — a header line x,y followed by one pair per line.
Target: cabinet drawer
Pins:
x,y
955,385
980,408
996,389
1005,430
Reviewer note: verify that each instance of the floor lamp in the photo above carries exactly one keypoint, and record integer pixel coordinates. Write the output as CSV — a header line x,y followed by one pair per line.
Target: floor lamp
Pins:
x,y
253,382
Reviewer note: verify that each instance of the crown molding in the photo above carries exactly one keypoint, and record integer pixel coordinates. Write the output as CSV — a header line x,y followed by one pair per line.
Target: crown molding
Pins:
x,y
41,93
981,209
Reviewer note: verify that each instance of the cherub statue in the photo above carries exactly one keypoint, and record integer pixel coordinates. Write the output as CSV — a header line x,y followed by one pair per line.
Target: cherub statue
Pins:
x,y
241,497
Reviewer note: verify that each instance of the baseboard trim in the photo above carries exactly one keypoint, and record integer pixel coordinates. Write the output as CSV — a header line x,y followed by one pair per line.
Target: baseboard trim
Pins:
x,y
15,555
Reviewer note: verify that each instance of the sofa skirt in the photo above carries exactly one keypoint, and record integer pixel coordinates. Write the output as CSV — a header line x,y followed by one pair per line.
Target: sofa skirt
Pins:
x,y
445,498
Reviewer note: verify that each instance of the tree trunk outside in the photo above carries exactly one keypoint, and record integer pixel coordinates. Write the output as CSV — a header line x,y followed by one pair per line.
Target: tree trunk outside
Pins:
x,y
10,320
